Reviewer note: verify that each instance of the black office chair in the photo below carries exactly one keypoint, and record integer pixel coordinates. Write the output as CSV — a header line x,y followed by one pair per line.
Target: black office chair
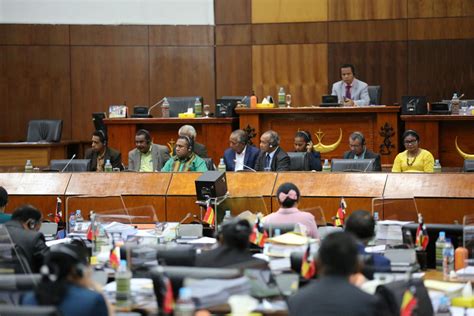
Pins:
x,y
15,310
209,164
375,94
44,131
297,161
181,104
182,255
76,165
468,165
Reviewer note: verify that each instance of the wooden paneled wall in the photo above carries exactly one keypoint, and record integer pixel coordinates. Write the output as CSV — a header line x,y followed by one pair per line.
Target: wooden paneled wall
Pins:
x,y
410,47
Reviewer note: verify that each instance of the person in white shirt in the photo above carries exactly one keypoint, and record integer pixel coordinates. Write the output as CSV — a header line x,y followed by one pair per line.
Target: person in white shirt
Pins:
x,y
350,91
240,156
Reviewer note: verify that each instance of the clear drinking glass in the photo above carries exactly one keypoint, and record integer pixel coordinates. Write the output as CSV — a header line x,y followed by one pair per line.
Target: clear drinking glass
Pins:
x,y
288,100
206,109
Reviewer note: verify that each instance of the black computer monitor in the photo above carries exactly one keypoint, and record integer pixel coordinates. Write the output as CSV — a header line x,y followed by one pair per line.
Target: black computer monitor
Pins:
x,y
452,231
226,107
352,165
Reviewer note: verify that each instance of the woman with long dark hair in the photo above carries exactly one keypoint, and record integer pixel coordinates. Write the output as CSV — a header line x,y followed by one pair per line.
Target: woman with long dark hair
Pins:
x,y
67,283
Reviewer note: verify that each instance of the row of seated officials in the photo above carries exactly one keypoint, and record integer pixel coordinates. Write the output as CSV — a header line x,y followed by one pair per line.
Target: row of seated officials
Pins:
x,y
241,156
66,275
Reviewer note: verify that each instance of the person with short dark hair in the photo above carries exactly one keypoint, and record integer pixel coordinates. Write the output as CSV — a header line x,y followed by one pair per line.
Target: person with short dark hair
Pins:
x,y
233,249
288,196
359,150
362,225
147,156
24,231
101,152
240,155
333,293
304,143
350,91
3,203
414,158
67,282
185,158
272,157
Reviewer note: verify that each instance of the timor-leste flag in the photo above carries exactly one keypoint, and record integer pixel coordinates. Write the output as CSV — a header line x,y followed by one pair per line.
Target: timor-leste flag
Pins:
x,y
210,215
58,214
422,238
259,235
409,302
114,257
341,213
308,266
168,300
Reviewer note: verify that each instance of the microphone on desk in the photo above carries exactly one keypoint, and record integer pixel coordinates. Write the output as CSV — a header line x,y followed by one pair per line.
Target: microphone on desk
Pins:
x,y
185,218
70,160
245,166
155,105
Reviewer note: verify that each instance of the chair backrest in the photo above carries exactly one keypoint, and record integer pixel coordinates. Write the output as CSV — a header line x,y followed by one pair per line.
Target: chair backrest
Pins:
x,y
44,130
375,94
284,228
76,165
297,161
15,310
181,104
209,164
468,165
182,255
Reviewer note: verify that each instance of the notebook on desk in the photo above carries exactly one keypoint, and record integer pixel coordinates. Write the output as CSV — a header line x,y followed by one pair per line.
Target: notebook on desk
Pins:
x,y
329,101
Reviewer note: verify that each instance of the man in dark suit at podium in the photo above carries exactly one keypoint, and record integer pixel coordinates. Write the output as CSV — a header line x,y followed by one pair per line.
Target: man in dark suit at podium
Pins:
x,y
240,155
333,293
100,153
272,157
360,151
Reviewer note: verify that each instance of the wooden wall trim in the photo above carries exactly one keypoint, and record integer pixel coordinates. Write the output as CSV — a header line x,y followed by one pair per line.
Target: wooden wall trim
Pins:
x,y
109,35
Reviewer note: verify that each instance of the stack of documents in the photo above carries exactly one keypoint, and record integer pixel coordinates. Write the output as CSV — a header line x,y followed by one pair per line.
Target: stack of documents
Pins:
x,y
390,231
284,245
212,292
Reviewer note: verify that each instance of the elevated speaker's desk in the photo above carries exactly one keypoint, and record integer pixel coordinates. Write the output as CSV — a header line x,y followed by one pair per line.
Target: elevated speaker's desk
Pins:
x,y
212,132
438,133
378,123
441,198
13,156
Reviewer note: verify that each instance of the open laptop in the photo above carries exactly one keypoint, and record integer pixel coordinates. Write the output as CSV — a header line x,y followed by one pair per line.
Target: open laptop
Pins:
x,y
330,101
49,230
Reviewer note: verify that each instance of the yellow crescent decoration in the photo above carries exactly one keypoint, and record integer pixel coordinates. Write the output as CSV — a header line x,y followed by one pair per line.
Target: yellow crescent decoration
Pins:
x,y
326,148
171,145
463,154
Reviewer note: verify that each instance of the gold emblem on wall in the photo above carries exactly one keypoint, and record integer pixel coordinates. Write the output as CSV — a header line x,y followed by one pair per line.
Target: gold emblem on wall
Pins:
x,y
171,145
326,148
463,154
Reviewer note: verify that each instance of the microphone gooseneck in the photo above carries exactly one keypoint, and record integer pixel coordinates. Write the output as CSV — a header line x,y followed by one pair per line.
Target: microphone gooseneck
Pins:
x,y
245,166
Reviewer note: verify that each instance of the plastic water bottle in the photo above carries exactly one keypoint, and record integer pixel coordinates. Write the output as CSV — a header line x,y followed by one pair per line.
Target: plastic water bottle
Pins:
x,y
123,278
184,305
221,166
72,222
277,232
165,108
227,216
448,258
28,166
326,166
455,104
198,108
440,242
79,217
437,166
108,166
281,97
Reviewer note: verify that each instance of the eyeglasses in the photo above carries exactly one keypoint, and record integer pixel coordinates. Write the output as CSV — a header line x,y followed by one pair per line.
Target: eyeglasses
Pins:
x,y
409,142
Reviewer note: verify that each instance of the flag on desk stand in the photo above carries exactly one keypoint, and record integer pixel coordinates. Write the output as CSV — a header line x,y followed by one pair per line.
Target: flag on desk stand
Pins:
x,y
93,229
409,302
58,214
422,238
210,215
308,266
114,258
259,235
168,300
341,213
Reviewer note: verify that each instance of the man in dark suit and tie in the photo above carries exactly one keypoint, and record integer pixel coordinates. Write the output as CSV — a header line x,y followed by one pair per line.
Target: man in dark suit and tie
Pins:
x,y
333,293
272,157
240,156
360,151
100,153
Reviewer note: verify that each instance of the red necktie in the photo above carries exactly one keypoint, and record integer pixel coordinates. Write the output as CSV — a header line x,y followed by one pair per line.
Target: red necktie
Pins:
x,y
348,92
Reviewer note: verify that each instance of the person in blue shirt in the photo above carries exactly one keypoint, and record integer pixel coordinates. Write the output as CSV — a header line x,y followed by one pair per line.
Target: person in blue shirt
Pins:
x,y
3,203
362,225
66,283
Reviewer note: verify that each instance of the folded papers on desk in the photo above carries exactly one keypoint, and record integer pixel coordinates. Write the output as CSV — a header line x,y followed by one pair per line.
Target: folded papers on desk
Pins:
x,y
143,295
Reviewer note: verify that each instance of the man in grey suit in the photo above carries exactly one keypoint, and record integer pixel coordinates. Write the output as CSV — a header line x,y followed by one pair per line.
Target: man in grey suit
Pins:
x,y
272,157
147,157
360,151
350,91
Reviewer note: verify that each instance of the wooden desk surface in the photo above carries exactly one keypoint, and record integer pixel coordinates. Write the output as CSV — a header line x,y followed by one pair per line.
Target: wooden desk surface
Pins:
x,y
317,109
437,117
